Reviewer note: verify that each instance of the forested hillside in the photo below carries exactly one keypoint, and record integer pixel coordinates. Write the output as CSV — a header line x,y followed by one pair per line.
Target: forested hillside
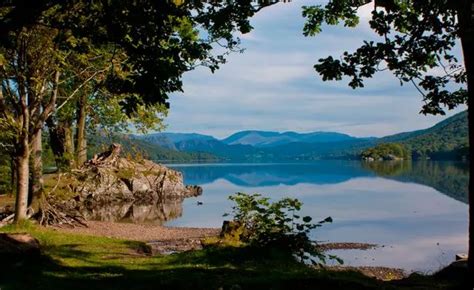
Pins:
x,y
134,147
446,140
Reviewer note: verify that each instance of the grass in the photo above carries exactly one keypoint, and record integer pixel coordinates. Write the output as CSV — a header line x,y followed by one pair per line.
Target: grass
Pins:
x,y
71,262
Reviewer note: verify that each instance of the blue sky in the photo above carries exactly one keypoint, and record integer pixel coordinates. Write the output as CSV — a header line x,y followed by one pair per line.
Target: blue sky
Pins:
x,y
273,86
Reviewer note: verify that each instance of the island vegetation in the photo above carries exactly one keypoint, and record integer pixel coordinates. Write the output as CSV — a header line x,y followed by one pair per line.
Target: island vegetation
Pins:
x,y
386,151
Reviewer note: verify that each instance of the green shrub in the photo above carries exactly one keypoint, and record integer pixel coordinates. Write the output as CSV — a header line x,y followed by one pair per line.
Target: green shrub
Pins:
x,y
277,224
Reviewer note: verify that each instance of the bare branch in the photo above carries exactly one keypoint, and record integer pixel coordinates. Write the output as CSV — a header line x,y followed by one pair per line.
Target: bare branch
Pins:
x,y
418,88
79,88
49,108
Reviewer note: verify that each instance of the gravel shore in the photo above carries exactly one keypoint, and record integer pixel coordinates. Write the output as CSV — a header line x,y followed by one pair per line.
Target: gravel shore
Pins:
x,y
166,240
141,232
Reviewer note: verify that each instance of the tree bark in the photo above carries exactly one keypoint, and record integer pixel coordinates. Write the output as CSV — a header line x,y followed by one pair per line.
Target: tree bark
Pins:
x,y
68,142
37,182
22,154
22,165
62,145
13,174
466,21
81,141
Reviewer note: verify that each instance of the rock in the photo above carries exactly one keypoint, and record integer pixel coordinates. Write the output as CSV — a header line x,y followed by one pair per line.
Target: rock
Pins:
x,y
166,247
456,271
232,231
16,248
112,188
392,157
461,257
379,273
194,190
108,175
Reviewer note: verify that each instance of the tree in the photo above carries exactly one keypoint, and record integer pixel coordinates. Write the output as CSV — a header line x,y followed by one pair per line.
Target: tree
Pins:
x,y
29,82
160,39
416,43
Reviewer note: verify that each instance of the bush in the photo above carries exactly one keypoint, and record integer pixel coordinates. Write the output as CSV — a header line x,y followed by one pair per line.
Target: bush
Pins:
x,y
277,224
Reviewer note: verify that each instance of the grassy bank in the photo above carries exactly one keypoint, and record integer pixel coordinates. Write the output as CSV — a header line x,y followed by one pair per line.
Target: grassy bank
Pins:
x,y
71,261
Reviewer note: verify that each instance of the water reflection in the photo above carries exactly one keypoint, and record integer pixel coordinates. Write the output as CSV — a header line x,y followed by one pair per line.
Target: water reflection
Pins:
x,y
155,212
268,174
416,210
450,178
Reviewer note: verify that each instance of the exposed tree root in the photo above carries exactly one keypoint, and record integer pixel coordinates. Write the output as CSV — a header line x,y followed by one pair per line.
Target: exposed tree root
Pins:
x,y
56,213
52,211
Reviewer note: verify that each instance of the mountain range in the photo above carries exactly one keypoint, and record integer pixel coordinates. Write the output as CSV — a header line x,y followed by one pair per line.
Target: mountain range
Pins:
x,y
446,140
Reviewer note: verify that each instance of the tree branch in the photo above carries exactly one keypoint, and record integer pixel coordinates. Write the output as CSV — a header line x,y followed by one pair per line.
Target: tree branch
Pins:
x,y
49,108
79,87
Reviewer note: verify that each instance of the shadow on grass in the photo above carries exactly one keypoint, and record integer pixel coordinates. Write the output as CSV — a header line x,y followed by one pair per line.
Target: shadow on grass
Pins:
x,y
211,268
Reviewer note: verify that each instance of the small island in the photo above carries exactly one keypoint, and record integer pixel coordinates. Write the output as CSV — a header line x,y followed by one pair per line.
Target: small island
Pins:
x,y
386,151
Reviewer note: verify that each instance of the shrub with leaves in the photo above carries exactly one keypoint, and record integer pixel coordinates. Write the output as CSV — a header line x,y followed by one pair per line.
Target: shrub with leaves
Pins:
x,y
277,224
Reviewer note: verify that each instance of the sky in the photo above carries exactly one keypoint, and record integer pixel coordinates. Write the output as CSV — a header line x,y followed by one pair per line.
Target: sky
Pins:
x,y
272,86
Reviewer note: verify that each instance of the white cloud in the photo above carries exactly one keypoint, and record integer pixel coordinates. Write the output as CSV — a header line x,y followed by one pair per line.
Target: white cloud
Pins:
x,y
273,86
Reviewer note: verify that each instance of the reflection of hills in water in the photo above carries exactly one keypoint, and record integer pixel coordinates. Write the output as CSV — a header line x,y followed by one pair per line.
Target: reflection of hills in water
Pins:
x,y
450,178
156,212
254,175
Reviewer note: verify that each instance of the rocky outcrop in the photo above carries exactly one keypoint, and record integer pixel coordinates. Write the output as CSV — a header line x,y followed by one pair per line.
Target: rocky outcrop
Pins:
x,y
113,188
109,176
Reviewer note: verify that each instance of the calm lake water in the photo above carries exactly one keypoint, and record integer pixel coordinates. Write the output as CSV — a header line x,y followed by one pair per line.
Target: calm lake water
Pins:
x,y
416,211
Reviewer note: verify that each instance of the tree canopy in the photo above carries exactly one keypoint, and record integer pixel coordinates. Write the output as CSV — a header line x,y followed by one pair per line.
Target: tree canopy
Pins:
x,y
416,41
162,39
416,44
59,59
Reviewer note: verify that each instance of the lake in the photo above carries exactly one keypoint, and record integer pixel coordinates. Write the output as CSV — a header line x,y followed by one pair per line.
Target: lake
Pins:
x,y
416,211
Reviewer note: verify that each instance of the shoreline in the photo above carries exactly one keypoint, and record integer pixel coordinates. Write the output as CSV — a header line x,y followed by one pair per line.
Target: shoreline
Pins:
x,y
164,240
156,234
148,233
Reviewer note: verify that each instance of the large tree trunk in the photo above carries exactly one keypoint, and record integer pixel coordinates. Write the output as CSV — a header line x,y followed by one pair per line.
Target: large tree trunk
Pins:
x,y
68,142
81,141
466,19
23,169
36,170
62,145
22,157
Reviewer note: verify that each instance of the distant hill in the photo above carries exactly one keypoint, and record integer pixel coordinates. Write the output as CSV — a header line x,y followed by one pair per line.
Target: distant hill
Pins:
x,y
193,143
168,140
446,140
236,152
271,139
133,146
